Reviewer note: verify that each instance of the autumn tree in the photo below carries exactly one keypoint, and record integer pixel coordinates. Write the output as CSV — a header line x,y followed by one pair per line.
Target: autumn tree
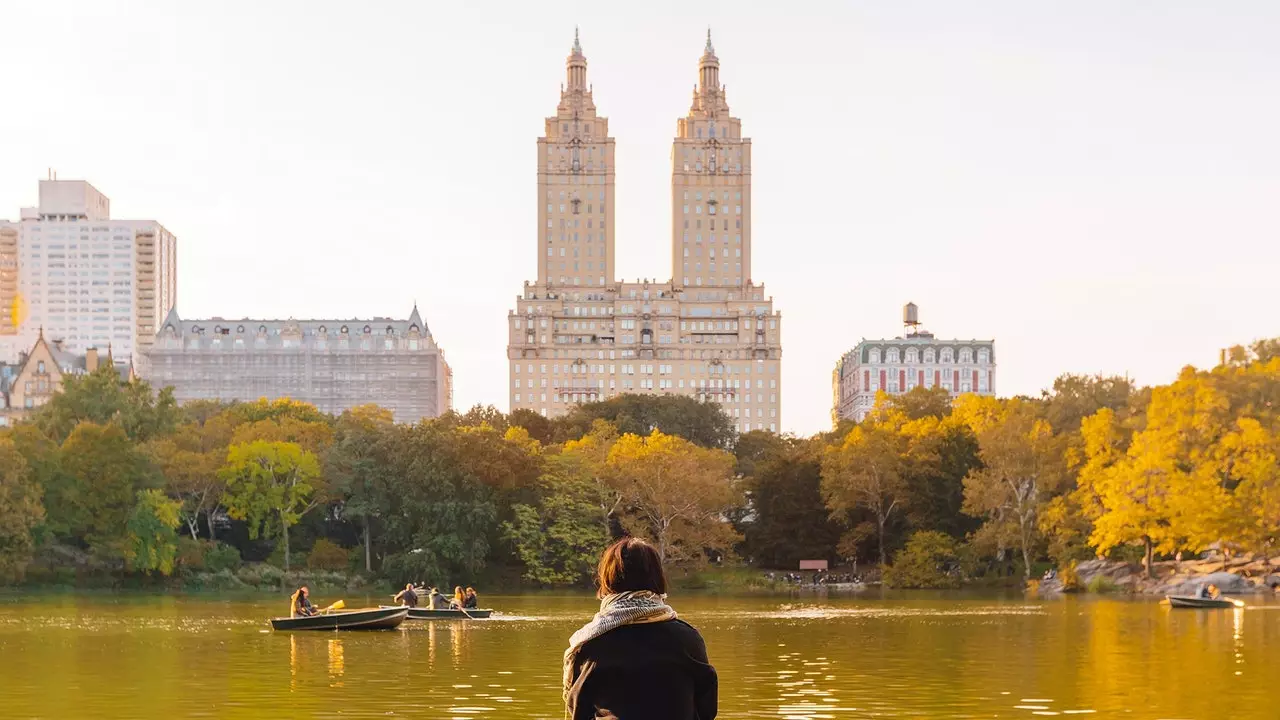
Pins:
x,y
1022,467
701,423
20,512
560,536
271,481
676,493
787,519
866,470
100,398
190,460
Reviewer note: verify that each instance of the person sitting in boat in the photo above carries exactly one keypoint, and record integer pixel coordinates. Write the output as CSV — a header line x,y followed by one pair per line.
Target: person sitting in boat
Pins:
x,y
408,596
472,602
459,598
300,603
438,601
1210,592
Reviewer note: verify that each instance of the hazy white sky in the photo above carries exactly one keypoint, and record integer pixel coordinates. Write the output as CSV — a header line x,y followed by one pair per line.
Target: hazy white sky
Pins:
x,y
1096,185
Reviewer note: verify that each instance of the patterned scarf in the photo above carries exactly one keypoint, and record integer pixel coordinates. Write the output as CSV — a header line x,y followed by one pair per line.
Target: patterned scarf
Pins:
x,y
628,608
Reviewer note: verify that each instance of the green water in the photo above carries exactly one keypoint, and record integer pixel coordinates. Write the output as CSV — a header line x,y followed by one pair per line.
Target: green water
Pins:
x,y
899,656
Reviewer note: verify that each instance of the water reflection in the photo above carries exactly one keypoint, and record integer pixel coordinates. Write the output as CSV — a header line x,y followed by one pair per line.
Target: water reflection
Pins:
x,y
917,656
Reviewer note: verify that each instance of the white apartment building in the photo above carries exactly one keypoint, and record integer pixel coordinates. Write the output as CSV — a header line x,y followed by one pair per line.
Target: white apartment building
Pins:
x,y
68,268
917,359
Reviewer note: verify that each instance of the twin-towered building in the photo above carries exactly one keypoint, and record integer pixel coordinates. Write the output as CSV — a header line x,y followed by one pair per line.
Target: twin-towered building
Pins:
x,y
579,334
917,359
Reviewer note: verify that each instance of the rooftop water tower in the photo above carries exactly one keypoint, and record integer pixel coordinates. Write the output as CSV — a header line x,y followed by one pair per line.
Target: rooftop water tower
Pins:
x,y
911,318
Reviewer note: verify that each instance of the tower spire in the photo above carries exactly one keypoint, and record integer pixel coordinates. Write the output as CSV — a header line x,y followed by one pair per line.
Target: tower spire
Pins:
x,y
577,46
709,50
576,66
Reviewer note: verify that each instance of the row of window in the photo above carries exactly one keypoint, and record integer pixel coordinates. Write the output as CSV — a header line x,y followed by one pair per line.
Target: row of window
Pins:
x,y
912,355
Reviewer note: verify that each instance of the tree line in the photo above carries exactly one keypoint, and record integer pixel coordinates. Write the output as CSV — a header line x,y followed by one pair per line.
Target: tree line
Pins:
x,y
1093,467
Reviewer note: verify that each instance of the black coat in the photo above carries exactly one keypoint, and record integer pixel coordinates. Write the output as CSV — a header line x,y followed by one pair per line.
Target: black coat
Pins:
x,y
650,671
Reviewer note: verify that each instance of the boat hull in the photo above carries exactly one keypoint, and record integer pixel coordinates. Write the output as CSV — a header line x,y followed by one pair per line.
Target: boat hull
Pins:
x,y
372,619
1189,601
428,614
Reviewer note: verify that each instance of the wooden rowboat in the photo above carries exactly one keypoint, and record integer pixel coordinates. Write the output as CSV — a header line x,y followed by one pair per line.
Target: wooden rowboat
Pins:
x,y
1191,601
451,614
367,619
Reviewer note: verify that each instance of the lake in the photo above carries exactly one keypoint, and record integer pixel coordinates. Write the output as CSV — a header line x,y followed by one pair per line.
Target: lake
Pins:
x,y
906,655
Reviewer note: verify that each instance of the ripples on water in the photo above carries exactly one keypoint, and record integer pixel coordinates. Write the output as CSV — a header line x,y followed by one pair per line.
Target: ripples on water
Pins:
x,y
912,656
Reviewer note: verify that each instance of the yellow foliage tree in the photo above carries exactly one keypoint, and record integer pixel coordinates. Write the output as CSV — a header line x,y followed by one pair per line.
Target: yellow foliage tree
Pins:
x,y
678,492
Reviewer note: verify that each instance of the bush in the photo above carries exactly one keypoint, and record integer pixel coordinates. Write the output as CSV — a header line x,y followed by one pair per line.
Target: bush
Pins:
x,y
930,560
1102,584
261,575
1069,576
191,553
327,555
220,556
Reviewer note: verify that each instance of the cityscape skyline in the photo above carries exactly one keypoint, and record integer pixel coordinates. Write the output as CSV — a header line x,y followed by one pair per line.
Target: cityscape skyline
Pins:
x,y
924,163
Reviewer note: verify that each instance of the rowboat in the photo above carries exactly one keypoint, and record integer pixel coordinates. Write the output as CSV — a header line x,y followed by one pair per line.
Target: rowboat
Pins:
x,y
1191,601
450,614
368,619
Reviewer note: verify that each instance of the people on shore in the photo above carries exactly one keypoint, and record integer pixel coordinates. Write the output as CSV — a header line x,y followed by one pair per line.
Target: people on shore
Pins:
x,y
408,596
300,603
635,659
471,602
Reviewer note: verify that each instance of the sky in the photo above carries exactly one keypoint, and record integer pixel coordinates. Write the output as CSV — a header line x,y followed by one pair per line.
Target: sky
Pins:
x,y
1094,184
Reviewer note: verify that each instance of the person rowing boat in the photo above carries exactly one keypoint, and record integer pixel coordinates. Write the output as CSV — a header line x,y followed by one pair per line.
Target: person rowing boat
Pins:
x,y
408,596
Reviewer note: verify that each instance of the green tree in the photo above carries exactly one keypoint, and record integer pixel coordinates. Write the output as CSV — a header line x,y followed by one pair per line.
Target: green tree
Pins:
x,y
152,545
269,481
788,518
701,423
560,538
190,460
930,560
100,398
354,466
20,512
105,471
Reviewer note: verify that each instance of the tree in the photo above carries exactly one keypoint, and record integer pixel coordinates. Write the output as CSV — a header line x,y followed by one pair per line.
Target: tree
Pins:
x,y
865,470
788,518
269,480
190,460
1076,397
105,471
676,493
930,560
152,545
1022,467
560,538
1251,453
702,423
100,398
20,512
353,466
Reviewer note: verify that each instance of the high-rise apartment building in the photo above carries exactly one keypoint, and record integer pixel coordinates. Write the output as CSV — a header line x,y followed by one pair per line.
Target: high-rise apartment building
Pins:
x,y
82,277
916,359
579,335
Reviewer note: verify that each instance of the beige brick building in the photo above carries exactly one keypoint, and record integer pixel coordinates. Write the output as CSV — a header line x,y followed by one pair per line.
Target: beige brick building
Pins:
x,y
580,335
332,364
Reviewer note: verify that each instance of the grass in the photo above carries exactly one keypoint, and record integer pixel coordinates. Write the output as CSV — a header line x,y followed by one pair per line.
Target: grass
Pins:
x,y
1101,584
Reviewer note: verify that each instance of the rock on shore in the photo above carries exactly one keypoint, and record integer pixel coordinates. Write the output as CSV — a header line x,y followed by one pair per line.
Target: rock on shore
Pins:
x,y
1185,578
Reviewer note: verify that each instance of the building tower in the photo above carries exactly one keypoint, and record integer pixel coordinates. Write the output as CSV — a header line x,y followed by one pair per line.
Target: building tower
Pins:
x,y
575,187
710,188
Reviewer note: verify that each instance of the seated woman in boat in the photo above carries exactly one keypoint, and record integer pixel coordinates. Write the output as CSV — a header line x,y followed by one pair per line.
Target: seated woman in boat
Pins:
x,y
408,596
472,602
1210,592
300,603
459,598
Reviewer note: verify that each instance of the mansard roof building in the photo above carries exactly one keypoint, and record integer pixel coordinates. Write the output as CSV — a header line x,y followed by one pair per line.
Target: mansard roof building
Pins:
x,y
332,364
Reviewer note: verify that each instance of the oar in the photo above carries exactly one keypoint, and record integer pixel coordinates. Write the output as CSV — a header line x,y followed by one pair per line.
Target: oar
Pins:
x,y
336,606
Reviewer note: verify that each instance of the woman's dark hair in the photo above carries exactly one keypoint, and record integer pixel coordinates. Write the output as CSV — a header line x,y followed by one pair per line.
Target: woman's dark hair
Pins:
x,y
630,564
